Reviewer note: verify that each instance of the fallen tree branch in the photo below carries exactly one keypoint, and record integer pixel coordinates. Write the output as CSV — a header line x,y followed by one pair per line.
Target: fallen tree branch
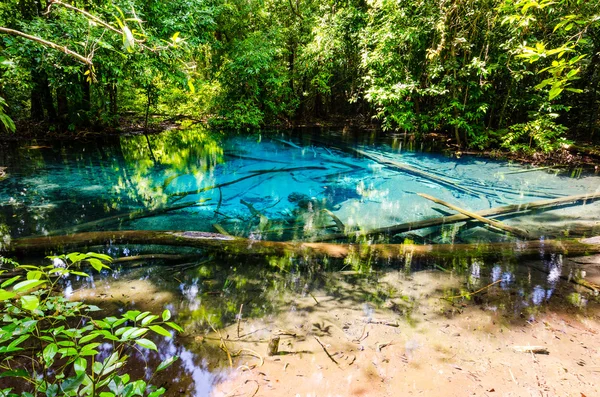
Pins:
x,y
416,171
447,220
493,223
242,246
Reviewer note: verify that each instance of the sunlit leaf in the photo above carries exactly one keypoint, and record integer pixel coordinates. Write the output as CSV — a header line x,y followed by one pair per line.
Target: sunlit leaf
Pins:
x,y
166,363
148,344
30,302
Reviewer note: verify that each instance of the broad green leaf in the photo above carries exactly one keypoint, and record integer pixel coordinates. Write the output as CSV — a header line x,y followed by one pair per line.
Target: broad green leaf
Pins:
x,y
30,302
166,315
160,330
80,365
26,285
89,337
175,326
6,295
166,363
49,353
72,384
148,344
149,319
128,39
158,392
554,92
141,316
9,282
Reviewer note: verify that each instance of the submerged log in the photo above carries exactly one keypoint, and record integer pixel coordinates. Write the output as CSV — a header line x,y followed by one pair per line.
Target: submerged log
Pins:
x,y
470,214
241,246
128,216
447,220
416,171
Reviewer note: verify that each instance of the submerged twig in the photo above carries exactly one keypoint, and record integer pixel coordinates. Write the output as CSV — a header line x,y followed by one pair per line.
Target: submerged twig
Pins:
x,y
472,293
239,320
253,174
325,350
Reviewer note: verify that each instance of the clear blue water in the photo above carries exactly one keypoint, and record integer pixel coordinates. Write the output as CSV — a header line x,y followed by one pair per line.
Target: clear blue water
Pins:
x,y
275,187
51,187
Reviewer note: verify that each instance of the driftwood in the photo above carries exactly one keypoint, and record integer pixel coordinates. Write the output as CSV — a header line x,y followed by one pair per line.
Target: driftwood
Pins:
x,y
416,171
242,246
493,223
446,220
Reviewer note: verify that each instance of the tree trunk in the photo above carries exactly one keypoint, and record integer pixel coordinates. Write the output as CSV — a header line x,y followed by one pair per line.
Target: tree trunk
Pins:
x,y
62,104
243,247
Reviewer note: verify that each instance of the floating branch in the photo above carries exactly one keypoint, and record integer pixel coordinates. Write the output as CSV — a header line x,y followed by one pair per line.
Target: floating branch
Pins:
x,y
496,224
446,220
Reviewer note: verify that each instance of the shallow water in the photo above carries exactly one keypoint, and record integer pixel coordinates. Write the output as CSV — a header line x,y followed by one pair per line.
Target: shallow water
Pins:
x,y
275,187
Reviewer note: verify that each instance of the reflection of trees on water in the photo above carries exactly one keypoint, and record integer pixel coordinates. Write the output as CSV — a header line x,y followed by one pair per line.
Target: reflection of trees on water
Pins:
x,y
156,161
49,188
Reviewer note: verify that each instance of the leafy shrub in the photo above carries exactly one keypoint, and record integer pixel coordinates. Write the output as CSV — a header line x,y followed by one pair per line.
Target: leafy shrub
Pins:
x,y
540,134
51,343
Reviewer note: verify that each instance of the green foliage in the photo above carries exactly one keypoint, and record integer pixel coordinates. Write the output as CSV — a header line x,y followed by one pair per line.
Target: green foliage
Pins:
x,y
469,69
542,133
52,345
7,122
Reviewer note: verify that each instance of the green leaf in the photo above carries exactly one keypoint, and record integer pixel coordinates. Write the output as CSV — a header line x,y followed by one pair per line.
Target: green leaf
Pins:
x,y
72,384
14,373
49,353
160,330
9,281
175,326
103,257
30,302
6,295
166,363
166,315
27,285
67,352
13,345
128,39
34,275
149,319
554,92
80,365
89,337
158,392
148,344
141,316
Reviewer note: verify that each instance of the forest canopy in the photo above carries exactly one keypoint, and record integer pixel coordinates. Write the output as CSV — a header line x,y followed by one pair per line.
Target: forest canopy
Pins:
x,y
516,73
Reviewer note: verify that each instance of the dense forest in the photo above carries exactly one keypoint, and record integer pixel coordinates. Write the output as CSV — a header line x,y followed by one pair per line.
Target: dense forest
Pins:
x,y
522,74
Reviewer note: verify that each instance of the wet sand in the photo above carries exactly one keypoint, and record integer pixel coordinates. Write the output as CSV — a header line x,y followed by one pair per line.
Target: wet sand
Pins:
x,y
439,349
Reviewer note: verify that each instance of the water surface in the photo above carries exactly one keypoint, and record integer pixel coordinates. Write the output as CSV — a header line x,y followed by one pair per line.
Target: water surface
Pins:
x,y
283,186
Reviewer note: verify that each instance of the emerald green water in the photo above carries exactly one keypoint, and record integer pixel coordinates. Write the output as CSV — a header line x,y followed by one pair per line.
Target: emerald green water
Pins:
x,y
276,187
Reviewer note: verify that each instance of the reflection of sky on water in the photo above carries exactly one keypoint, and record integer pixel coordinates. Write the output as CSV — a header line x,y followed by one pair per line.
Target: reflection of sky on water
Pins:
x,y
505,277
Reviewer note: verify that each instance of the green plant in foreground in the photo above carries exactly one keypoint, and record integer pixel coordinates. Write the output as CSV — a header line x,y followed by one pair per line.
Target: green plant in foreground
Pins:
x,y
51,343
